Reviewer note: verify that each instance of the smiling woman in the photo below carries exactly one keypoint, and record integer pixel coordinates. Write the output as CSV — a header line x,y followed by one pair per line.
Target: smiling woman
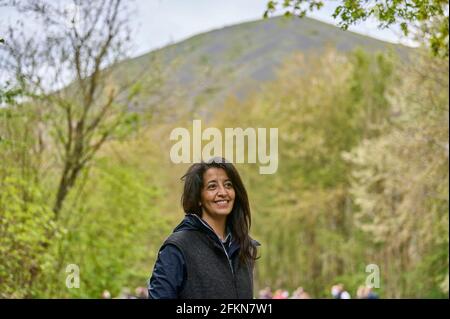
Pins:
x,y
210,254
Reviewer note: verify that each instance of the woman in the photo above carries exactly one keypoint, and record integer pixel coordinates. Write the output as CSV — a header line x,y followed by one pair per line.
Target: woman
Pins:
x,y
209,254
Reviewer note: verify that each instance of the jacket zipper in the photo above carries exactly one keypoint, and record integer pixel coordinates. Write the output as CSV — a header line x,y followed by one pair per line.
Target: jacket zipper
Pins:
x,y
228,258
226,254
231,267
223,247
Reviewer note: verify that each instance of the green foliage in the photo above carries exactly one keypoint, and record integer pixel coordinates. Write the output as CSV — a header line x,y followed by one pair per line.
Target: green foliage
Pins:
x,y
110,226
25,224
362,179
129,123
400,183
321,106
297,7
431,15
333,223
114,232
8,96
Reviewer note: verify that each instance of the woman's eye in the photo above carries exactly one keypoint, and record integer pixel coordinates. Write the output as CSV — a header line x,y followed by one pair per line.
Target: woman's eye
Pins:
x,y
211,186
229,185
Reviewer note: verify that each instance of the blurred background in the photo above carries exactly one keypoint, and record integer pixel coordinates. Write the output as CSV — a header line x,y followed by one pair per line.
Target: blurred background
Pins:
x,y
90,91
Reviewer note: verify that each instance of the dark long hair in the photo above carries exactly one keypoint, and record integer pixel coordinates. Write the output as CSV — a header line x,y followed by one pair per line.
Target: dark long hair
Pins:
x,y
239,219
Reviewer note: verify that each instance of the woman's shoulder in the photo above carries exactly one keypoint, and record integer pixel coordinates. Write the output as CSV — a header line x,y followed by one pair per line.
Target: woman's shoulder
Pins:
x,y
180,237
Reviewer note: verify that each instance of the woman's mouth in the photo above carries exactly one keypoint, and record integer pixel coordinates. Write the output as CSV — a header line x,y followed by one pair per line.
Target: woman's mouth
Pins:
x,y
222,202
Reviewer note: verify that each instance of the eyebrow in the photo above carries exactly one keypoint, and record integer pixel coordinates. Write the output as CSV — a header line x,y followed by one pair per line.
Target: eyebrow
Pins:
x,y
215,181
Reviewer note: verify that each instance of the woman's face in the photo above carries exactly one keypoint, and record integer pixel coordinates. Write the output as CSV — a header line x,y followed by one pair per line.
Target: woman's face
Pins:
x,y
217,196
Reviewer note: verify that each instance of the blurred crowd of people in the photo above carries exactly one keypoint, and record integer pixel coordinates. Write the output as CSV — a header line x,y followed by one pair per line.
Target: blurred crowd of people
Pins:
x,y
338,291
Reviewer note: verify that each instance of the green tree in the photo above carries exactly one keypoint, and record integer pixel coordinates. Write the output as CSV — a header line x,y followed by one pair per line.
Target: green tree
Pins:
x,y
74,46
400,184
428,17
25,221
114,232
314,241
67,106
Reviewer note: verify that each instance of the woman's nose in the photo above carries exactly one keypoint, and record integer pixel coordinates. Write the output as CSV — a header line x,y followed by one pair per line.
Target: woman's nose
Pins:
x,y
221,190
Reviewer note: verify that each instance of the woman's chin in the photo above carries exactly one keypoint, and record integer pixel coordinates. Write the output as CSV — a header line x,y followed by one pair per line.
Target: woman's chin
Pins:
x,y
222,212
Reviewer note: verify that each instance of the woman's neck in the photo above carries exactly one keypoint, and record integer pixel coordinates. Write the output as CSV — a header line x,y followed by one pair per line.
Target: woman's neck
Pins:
x,y
217,224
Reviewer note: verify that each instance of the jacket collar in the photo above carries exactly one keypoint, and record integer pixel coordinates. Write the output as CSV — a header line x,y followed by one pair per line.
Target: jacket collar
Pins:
x,y
194,222
205,224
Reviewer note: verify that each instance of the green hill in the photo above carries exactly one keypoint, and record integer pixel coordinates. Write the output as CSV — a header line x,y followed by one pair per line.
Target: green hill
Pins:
x,y
236,60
